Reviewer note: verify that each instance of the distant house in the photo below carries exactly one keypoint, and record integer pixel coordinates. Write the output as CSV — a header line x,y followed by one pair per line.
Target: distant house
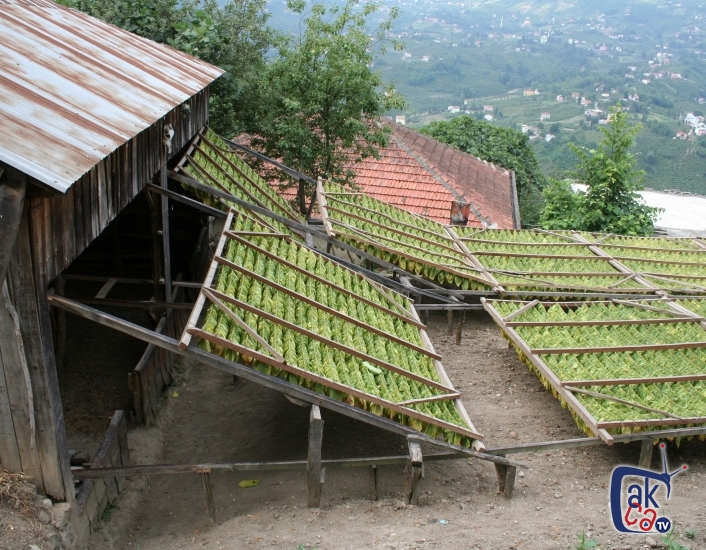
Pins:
x,y
549,137
545,116
489,118
425,176
634,97
453,108
645,81
681,135
488,108
692,120
575,95
560,98
425,58
675,76
586,102
603,121
529,93
401,119
407,55
605,94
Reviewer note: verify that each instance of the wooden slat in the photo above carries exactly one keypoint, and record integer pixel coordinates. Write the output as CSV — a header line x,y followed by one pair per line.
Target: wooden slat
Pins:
x,y
473,260
198,306
608,425
331,311
602,322
628,381
521,310
105,289
599,395
614,349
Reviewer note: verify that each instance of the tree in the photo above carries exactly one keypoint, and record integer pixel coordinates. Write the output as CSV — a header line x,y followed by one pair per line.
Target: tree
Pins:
x,y
234,37
320,100
611,203
502,146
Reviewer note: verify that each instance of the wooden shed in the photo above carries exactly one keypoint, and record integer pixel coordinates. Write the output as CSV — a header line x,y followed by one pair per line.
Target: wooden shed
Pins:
x,y
89,113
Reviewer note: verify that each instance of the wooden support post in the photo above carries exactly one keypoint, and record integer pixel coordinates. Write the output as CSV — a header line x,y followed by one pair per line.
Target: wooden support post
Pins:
x,y
413,472
60,316
166,247
646,454
450,319
313,468
425,317
208,495
374,475
459,328
157,255
506,479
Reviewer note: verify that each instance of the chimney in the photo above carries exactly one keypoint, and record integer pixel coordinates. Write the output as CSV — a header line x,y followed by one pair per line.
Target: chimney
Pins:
x,y
460,212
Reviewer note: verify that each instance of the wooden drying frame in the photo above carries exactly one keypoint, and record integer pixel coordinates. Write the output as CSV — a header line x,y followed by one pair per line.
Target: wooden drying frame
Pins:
x,y
276,360
566,389
486,274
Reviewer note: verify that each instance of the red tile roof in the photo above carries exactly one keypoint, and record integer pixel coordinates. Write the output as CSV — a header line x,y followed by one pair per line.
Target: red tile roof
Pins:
x,y
425,176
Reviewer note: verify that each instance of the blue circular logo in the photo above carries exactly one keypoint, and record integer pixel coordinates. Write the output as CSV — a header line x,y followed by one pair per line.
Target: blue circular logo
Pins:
x,y
663,525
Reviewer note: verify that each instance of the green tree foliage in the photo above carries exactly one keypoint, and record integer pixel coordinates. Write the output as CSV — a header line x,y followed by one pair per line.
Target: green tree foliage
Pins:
x,y
320,100
611,203
233,36
502,146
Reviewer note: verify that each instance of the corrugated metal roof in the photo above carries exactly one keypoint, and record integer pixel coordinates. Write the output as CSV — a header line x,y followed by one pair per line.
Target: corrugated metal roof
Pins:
x,y
74,88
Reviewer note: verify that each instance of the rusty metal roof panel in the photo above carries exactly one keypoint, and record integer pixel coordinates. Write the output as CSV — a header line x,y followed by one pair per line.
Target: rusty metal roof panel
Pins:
x,y
74,88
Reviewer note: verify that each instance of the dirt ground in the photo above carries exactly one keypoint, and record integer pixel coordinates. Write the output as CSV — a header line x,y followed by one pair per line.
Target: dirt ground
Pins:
x,y
206,417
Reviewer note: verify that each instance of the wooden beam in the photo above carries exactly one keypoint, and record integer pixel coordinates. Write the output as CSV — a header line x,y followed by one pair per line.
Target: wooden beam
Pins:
x,y
313,467
593,441
209,210
166,241
652,422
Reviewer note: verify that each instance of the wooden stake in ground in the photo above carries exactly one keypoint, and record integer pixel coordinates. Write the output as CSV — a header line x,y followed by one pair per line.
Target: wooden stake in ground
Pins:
x,y
315,475
413,472
459,327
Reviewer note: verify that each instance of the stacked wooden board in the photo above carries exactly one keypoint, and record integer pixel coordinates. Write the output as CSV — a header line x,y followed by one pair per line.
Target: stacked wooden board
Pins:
x,y
210,161
620,366
280,307
515,262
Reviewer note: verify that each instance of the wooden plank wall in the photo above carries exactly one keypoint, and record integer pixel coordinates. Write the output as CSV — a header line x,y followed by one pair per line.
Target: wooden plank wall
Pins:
x,y
95,495
153,372
62,227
